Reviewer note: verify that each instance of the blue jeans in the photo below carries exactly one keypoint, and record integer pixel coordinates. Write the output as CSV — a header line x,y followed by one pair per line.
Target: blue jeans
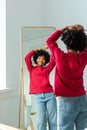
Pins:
x,y
46,109
72,111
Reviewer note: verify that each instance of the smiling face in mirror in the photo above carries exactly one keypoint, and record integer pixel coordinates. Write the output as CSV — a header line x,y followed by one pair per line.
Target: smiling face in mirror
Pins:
x,y
40,61
41,57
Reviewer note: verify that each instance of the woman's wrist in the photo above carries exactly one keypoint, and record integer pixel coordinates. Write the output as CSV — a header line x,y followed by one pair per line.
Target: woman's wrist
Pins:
x,y
64,29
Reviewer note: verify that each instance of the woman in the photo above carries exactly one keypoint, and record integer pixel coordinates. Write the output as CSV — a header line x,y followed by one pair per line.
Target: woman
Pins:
x,y
45,101
69,76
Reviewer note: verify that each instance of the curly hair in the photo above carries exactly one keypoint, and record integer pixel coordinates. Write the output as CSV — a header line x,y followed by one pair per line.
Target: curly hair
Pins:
x,y
74,39
41,53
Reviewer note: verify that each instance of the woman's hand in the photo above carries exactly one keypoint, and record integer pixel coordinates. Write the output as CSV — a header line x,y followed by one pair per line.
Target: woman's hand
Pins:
x,y
76,27
37,49
64,29
73,27
45,47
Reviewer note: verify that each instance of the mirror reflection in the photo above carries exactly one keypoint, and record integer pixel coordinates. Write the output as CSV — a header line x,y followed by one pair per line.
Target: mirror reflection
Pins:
x,y
32,38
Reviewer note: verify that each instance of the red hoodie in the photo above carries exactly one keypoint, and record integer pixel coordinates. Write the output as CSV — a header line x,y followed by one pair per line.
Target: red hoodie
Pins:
x,y
69,69
39,76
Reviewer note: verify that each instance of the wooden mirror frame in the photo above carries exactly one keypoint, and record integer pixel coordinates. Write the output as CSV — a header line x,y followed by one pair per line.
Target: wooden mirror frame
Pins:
x,y
21,121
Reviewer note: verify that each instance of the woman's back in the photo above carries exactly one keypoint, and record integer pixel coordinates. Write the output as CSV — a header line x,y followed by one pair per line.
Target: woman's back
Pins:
x,y
69,76
69,66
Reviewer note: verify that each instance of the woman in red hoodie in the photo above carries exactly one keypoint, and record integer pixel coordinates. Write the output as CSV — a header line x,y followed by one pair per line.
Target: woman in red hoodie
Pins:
x,y
69,84
45,101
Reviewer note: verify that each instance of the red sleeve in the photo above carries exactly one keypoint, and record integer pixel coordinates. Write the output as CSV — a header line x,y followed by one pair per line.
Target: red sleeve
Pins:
x,y
52,44
28,60
53,37
51,64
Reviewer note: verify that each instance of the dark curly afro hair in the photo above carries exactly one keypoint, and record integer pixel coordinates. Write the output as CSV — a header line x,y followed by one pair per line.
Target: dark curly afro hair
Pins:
x,y
74,39
41,53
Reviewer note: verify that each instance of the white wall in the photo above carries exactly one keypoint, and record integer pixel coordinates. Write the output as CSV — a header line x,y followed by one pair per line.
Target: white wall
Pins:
x,y
56,13
61,12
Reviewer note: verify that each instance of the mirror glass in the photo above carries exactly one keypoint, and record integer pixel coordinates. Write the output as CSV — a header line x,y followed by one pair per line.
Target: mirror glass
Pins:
x,y
31,38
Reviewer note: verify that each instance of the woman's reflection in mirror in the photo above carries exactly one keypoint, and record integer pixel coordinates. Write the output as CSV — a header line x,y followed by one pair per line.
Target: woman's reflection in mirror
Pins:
x,y
40,86
69,85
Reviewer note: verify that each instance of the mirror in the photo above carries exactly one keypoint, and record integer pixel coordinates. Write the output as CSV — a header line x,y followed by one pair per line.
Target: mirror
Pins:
x,y
31,38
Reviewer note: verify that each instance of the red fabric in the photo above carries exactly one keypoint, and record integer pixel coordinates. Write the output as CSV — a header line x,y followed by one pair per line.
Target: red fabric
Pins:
x,y
69,69
39,76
